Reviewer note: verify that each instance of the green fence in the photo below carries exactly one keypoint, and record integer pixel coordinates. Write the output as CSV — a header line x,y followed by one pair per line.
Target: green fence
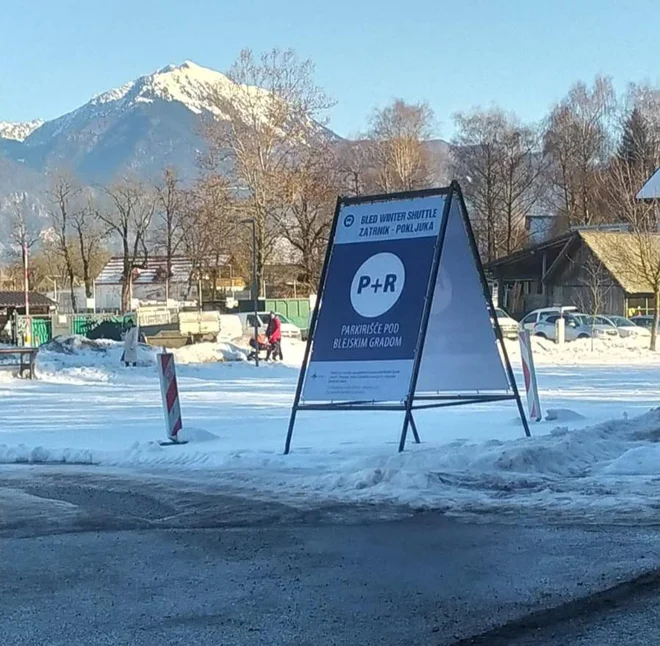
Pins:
x,y
42,331
85,324
295,309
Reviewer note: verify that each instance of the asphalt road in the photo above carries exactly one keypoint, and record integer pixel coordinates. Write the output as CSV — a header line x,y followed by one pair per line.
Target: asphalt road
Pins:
x,y
91,558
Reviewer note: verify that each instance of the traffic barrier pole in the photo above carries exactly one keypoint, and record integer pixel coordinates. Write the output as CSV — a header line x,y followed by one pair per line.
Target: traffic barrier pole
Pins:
x,y
529,374
170,394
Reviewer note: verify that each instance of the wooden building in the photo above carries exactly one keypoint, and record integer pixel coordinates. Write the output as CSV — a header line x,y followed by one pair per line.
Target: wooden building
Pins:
x,y
603,271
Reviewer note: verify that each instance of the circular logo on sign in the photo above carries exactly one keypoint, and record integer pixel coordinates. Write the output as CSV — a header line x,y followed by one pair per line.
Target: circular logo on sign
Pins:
x,y
377,284
349,220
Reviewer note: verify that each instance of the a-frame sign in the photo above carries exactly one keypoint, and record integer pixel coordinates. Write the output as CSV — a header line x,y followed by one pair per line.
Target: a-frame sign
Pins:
x,y
404,318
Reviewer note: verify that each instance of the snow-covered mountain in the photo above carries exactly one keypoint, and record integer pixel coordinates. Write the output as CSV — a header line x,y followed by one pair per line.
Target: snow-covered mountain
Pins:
x,y
141,126
138,128
18,131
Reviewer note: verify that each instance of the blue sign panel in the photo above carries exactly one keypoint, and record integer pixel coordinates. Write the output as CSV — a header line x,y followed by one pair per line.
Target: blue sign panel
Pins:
x,y
371,309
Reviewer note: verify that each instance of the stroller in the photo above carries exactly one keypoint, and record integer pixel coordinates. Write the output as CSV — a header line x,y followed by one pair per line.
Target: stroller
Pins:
x,y
263,345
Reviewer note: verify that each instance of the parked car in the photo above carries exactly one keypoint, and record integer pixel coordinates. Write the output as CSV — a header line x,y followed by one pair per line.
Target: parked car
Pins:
x,y
546,328
643,321
628,328
530,321
289,330
577,326
601,326
508,325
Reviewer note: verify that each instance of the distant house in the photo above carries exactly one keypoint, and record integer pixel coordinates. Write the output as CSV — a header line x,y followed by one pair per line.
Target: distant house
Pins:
x,y
589,268
148,283
13,302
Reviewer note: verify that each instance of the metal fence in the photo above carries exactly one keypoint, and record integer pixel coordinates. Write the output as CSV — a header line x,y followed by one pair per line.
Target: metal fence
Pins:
x,y
44,328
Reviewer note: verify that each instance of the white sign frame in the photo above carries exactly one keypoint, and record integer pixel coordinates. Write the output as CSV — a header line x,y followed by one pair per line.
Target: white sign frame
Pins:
x,y
412,400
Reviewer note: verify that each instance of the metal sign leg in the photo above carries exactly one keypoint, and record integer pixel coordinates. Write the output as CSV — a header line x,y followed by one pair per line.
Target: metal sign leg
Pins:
x,y
413,427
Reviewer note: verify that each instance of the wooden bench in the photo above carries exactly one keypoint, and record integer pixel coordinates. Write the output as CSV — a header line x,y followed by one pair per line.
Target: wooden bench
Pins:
x,y
25,360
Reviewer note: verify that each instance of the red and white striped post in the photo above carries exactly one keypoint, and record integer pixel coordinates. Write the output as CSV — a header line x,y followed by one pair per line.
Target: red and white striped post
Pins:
x,y
529,374
170,393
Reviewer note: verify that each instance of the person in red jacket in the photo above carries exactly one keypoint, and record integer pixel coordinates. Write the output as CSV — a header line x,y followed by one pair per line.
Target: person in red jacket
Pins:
x,y
274,334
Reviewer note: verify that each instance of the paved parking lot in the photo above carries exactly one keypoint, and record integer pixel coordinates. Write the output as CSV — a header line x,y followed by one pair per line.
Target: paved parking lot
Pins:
x,y
93,558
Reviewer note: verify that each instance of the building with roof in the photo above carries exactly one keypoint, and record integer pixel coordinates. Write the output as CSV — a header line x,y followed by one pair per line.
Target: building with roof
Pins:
x,y
605,270
148,283
12,305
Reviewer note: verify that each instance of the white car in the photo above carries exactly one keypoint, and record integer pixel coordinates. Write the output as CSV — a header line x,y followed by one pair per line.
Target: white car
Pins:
x,y
530,321
289,330
627,328
508,325
577,326
601,326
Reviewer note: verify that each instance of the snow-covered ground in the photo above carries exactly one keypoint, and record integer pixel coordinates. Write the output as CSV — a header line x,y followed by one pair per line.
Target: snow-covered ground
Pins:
x,y
599,459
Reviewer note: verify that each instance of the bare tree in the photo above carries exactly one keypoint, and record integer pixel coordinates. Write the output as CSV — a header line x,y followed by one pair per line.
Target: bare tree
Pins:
x,y
477,160
639,260
169,208
637,155
595,285
522,165
24,237
398,133
128,218
89,235
63,195
355,167
312,187
501,161
264,121
208,227
579,141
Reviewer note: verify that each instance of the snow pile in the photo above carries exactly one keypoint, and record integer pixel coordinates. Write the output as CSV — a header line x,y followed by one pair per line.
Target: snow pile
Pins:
x,y
562,415
588,351
609,471
67,353
605,471
210,352
79,358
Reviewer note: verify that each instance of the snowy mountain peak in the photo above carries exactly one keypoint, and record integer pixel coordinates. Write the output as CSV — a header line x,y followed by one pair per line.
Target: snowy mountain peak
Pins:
x,y
18,130
187,83
140,127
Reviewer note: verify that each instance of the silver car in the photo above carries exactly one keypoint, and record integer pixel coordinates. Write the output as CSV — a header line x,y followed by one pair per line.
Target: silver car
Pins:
x,y
601,326
577,326
627,328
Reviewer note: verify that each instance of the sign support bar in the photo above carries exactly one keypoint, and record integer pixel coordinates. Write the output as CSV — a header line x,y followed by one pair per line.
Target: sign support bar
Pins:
x,y
412,402
312,329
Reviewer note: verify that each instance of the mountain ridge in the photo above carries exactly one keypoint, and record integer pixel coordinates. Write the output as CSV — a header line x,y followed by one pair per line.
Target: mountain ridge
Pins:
x,y
138,128
19,130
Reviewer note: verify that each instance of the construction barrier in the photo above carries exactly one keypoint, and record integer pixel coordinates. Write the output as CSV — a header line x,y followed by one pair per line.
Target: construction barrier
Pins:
x,y
529,374
170,394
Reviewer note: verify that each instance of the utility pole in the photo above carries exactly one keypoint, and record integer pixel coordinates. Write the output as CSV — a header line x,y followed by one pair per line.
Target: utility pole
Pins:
x,y
28,323
255,288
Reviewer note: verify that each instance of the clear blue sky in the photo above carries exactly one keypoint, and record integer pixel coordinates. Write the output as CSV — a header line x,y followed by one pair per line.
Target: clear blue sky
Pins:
x,y
520,54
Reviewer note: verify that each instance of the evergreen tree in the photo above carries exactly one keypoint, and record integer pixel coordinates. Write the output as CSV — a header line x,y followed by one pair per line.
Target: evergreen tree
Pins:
x,y
636,147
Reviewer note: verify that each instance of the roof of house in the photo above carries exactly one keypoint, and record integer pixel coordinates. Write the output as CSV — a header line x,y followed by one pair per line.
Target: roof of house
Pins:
x,y
516,256
17,299
622,253
154,271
